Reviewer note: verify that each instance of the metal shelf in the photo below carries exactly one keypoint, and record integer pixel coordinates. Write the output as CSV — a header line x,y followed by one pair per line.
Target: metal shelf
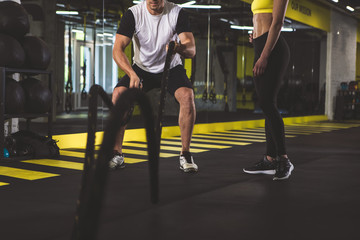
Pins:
x,y
28,116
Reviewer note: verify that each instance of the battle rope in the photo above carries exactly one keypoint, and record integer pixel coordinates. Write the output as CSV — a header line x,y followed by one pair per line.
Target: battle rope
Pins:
x,y
69,87
96,171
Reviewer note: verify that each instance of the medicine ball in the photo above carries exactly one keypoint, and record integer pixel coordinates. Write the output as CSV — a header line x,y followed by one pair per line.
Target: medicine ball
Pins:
x,y
14,19
37,53
12,53
14,96
38,97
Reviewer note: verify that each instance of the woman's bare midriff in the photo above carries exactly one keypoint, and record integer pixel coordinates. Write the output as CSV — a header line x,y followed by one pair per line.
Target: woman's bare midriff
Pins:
x,y
262,23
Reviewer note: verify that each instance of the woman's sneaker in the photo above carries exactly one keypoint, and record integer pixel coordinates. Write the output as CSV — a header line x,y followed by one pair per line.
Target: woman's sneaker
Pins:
x,y
187,163
283,169
263,167
117,161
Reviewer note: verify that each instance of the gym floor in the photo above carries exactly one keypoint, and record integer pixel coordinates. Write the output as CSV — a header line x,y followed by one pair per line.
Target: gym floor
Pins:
x,y
319,201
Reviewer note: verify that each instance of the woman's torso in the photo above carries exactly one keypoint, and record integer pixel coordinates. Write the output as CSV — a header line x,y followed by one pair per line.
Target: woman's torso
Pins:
x,y
262,19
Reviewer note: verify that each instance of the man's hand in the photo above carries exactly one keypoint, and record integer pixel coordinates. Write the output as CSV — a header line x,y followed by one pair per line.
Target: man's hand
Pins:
x,y
135,82
177,47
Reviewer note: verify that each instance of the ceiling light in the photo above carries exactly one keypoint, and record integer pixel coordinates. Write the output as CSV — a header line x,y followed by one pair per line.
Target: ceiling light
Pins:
x,y
284,29
187,3
67,12
350,8
77,31
335,1
202,6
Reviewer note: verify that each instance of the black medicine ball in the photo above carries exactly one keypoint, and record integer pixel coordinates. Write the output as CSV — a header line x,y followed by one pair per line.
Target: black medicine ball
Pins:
x,y
11,52
14,97
38,97
14,19
37,53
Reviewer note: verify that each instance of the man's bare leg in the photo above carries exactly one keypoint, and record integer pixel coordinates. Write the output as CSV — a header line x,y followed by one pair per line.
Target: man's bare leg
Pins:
x,y
120,136
187,114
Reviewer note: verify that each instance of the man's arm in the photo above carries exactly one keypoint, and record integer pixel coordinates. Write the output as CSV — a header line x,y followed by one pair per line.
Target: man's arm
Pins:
x,y
119,56
186,47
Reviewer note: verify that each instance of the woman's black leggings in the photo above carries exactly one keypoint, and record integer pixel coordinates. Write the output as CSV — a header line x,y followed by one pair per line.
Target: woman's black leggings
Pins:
x,y
267,88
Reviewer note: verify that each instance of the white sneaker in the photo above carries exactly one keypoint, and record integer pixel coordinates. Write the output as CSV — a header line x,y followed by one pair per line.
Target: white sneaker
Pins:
x,y
187,163
117,161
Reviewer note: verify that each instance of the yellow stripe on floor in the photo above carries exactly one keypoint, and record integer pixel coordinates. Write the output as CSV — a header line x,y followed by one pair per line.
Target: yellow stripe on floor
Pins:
x,y
200,145
145,153
236,135
57,163
212,141
24,174
73,154
134,160
168,148
250,134
229,138
126,151
4,184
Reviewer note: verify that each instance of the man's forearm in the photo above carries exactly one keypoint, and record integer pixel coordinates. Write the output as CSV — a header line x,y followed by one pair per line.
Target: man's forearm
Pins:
x,y
187,50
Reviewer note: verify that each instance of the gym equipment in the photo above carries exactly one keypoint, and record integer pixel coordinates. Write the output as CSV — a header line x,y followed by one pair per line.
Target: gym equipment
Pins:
x,y
38,97
95,172
12,54
37,53
68,86
14,19
83,91
14,97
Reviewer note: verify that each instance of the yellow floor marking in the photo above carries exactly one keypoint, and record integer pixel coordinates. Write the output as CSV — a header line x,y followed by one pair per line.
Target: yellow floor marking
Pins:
x,y
4,184
236,135
168,148
328,125
302,132
129,151
178,143
134,160
246,135
73,154
24,174
213,141
57,163
145,153
229,138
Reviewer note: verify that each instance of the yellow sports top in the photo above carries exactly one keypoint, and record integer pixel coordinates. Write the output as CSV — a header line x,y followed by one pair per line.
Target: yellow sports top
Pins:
x,y
262,6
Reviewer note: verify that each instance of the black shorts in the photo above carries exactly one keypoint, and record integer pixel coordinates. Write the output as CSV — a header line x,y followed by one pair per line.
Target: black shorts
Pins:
x,y
177,79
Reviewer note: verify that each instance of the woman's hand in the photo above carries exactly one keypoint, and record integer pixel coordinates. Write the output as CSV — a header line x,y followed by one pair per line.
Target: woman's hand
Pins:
x,y
260,66
251,37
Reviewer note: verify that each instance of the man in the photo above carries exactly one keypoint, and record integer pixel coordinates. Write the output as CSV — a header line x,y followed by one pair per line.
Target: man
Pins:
x,y
151,25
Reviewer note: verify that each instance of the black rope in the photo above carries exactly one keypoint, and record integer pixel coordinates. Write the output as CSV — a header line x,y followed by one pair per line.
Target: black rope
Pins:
x,y
96,171
69,87
164,83
83,91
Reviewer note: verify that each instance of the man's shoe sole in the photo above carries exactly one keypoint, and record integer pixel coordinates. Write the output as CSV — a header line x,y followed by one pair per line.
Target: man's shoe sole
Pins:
x,y
267,172
189,169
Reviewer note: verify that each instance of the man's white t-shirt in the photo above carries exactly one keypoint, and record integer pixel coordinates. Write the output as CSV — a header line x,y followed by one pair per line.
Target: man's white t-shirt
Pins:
x,y
151,34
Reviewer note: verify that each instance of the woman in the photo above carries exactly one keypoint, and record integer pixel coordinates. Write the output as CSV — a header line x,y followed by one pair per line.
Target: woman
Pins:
x,y
270,63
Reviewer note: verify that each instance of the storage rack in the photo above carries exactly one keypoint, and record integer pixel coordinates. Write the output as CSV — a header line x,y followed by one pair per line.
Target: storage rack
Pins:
x,y
28,116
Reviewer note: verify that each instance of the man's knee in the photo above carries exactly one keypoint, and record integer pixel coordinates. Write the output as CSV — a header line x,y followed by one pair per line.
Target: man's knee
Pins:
x,y
185,95
117,92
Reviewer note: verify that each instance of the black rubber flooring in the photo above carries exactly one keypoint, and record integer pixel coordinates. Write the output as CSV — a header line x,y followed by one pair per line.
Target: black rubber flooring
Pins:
x,y
319,201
